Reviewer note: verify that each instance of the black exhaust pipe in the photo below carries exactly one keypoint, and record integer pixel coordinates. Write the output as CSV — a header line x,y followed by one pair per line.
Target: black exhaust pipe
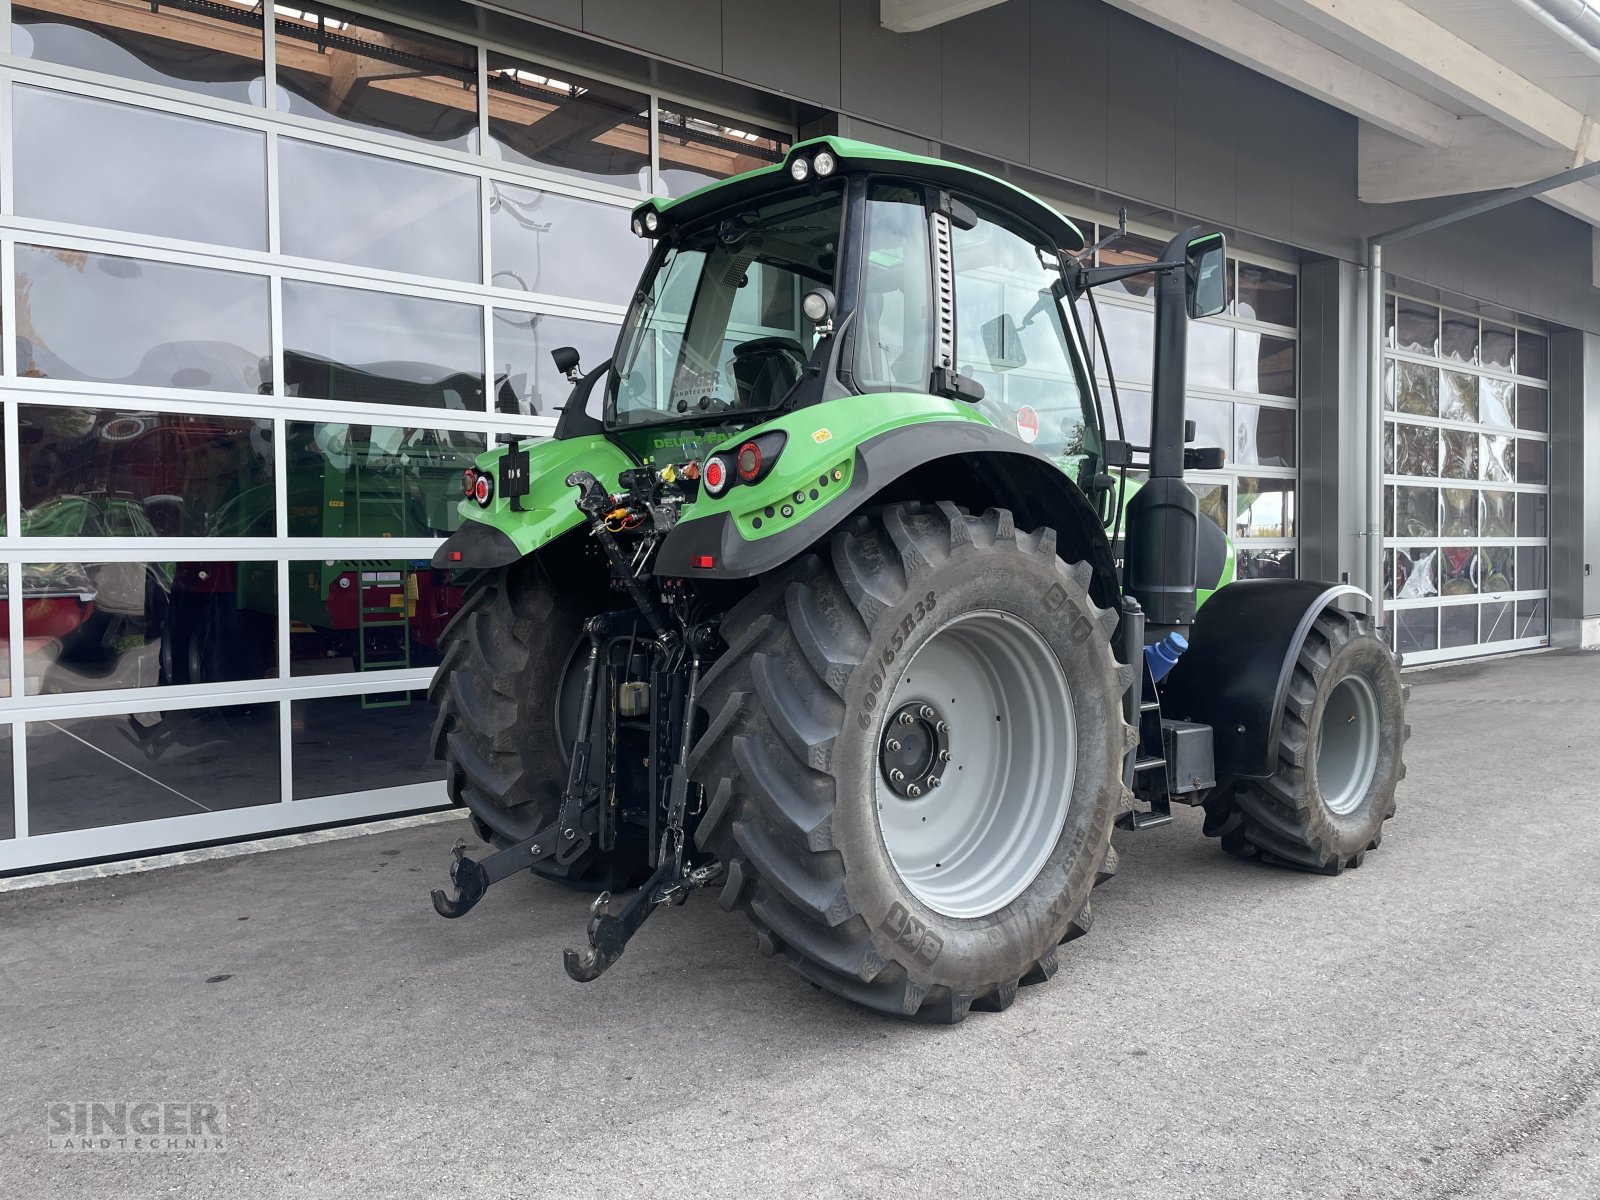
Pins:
x,y
1163,518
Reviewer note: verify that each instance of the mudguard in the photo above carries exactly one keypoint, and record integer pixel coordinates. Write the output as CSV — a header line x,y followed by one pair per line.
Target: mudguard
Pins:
x,y
1235,674
1034,487
500,534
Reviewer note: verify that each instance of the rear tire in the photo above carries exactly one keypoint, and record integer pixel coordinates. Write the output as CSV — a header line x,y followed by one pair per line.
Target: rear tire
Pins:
x,y
1339,757
498,690
795,760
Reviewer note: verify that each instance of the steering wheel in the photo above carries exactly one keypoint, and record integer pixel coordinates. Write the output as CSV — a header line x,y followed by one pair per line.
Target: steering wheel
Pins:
x,y
764,369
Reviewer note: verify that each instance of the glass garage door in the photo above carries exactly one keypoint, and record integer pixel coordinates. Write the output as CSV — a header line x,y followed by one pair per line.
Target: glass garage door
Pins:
x,y
256,321
1467,482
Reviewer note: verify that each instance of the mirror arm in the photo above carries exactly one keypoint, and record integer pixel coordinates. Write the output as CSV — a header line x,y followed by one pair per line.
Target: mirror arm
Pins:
x,y
1095,276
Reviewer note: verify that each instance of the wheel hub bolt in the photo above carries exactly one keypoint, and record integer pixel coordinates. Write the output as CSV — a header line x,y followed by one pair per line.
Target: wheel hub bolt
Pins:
x,y
897,775
894,745
944,756
942,727
907,719
913,791
934,781
927,713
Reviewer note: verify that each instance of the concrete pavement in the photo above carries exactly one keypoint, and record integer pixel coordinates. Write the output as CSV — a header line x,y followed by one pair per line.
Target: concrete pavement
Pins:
x,y
1427,1026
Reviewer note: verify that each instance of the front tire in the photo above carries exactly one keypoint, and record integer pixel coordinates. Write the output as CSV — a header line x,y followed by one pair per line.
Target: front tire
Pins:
x,y
1339,757
916,608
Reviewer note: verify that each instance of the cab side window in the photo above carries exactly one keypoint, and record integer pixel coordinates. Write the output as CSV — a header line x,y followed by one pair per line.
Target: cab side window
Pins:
x,y
1010,338
895,325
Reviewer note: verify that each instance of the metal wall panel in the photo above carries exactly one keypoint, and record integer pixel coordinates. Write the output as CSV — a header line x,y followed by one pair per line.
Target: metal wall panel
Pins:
x,y
1068,98
985,78
896,77
1142,111
761,39
689,31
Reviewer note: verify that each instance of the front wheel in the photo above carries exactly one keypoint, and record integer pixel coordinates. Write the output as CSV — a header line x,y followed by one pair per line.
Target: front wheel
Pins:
x,y
912,760
1339,757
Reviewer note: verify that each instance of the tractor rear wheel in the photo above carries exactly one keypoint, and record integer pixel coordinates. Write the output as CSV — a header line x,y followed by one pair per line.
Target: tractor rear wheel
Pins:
x,y
1338,762
913,759
508,685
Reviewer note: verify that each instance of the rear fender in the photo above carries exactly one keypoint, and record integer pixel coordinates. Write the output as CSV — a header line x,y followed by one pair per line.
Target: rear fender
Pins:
x,y
1235,675
968,462
502,533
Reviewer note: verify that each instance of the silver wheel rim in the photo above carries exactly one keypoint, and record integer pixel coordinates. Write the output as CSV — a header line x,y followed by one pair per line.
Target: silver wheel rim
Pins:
x,y
1347,744
972,842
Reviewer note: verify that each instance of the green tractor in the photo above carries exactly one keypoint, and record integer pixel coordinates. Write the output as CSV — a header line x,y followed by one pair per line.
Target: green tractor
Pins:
x,y
831,592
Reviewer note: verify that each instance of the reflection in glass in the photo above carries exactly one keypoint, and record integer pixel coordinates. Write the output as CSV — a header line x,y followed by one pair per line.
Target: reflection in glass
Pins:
x,y
1416,326
1417,512
1416,573
1498,456
375,480
1417,450
1213,501
1460,513
8,792
85,772
1458,398
127,320
96,626
381,348
368,615
360,743
1210,355
1263,436
1498,348
564,122
1458,571
1416,629
1498,567
543,241
89,472
1458,625
1498,623
1533,618
1533,461
1130,340
362,71
1265,508
1533,355
1213,420
1267,295
525,379
1265,564
175,177
1533,568
1265,364
1533,515
1498,511
213,48
1460,454
698,148
1533,409
1458,338
1418,390
369,211
1495,401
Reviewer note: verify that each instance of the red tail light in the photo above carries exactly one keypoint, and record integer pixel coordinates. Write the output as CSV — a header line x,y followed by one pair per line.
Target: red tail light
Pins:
x,y
715,476
483,491
469,481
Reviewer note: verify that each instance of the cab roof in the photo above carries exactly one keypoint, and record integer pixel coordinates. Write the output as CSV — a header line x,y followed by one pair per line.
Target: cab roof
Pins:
x,y
854,155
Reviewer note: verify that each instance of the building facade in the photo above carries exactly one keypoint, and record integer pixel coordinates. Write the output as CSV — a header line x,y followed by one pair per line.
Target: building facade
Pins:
x,y
271,276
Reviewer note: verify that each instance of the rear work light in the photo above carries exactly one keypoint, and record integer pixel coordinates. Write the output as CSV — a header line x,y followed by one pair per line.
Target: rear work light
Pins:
x,y
469,481
483,491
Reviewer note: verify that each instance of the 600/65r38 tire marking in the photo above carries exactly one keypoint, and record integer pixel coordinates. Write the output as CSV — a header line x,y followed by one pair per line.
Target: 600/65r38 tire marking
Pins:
x,y
795,750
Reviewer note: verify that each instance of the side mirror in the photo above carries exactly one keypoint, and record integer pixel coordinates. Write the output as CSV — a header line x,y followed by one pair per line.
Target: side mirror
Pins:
x,y
1205,271
566,360
1002,342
